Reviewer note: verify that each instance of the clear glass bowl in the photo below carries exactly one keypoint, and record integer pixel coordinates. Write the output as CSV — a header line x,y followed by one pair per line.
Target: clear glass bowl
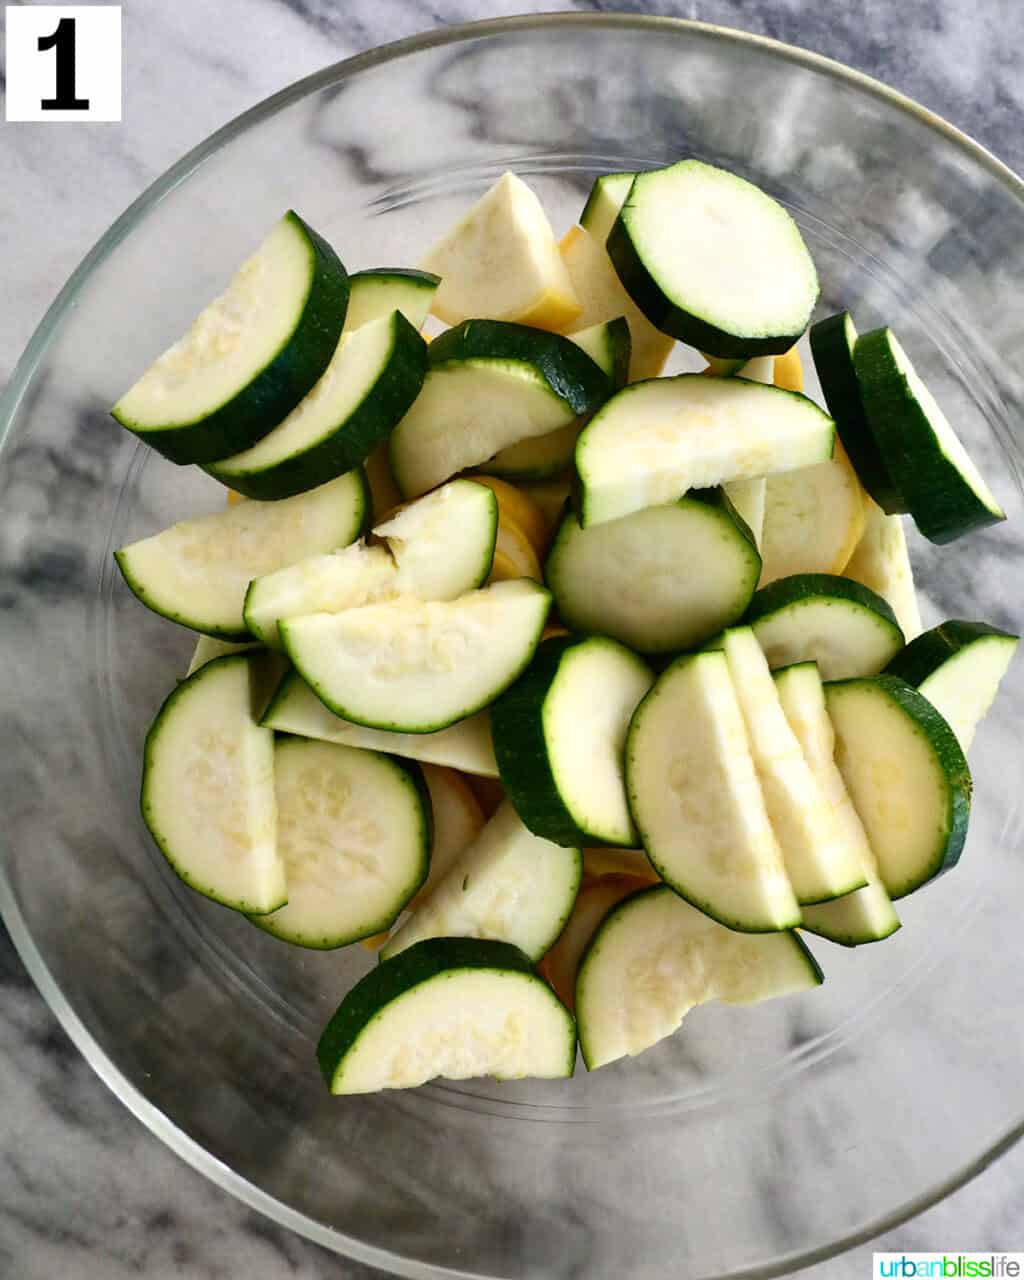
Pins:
x,y
755,1139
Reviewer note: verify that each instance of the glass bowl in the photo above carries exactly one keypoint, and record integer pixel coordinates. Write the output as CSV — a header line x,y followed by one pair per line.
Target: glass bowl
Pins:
x,y
755,1139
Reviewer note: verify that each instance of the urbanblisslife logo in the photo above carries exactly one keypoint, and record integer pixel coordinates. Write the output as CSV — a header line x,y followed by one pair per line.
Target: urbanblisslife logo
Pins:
x,y
947,1266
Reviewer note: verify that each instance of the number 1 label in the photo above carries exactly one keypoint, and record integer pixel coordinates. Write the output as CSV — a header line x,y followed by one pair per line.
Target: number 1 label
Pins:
x,y
63,63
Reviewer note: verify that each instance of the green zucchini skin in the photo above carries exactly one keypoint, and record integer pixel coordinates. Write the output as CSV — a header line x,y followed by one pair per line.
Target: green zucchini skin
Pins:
x,y
942,501
832,346
620,346
928,651
275,391
570,373
347,448
802,586
392,978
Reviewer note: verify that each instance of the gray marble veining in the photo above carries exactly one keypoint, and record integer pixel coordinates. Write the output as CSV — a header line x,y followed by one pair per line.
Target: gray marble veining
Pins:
x,y
85,1191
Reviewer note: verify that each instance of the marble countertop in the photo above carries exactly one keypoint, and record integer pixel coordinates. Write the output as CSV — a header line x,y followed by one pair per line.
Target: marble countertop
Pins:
x,y
85,1191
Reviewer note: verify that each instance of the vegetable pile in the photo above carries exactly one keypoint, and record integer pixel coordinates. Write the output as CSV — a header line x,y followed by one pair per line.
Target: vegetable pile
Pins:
x,y
581,692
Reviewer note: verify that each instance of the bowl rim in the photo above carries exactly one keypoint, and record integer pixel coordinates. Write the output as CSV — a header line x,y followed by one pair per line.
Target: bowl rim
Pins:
x,y
155,1120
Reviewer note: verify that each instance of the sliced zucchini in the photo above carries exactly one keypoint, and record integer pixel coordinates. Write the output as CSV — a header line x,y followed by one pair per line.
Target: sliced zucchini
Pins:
x,y
384,290
660,580
602,297
654,958
208,787
907,777
412,666
345,579
559,746
207,649
606,198
249,357
373,378
561,964
937,480
817,617
819,861
881,562
654,440
610,861
198,571
501,261
714,261
866,915
958,667
451,1007
443,544
750,496
490,385
458,820
353,829
509,884
608,345
814,519
832,345
295,708
697,803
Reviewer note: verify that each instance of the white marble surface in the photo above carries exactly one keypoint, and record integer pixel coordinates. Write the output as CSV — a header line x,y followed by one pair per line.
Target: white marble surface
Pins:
x,y
85,1191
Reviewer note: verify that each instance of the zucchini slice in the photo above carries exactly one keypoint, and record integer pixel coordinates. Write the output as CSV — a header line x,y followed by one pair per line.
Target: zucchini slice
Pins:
x,y
249,357
820,863
458,820
814,519
697,803
207,649
654,440
958,667
384,290
295,708
501,261
353,829
509,884
606,198
198,571
937,481
602,297
906,774
749,497
374,376
841,625
412,666
208,787
443,543
881,562
711,259
654,958
559,734
660,580
490,385
608,345
866,915
833,342
561,964
451,1007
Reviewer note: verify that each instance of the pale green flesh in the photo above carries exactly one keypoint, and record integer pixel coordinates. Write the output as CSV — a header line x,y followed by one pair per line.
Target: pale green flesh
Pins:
x,y
465,746
697,801
413,666
820,863
458,1025
467,412
964,687
508,885
208,789
375,294
654,958
607,196
881,562
844,637
654,440
198,571
867,914
443,544
230,341
353,836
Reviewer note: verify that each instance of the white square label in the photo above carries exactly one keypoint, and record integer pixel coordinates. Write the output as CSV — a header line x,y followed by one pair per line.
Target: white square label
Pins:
x,y
63,62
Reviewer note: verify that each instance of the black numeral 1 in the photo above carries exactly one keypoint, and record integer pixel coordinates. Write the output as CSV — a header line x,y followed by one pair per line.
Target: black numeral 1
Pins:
x,y
63,40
